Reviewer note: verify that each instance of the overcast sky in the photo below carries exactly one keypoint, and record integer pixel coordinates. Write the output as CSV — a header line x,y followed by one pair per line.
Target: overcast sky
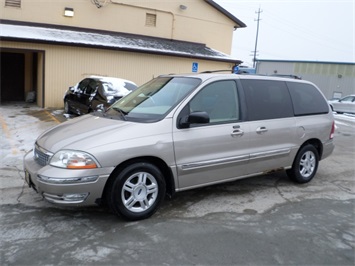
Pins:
x,y
311,30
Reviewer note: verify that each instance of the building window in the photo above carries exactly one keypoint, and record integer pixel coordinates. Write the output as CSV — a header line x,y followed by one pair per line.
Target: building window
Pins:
x,y
151,20
13,3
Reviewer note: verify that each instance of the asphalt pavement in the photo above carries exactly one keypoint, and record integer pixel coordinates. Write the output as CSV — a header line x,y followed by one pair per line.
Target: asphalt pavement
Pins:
x,y
264,220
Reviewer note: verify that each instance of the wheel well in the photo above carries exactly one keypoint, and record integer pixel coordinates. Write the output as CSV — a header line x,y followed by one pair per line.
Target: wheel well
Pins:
x,y
163,167
317,144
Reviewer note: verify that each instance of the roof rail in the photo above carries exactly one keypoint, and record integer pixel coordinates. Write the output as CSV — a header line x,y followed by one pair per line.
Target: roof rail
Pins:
x,y
215,71
286,76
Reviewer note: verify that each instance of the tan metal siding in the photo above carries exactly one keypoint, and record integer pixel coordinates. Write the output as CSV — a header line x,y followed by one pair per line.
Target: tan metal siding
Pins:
x,y
330,78
40,80
65,66
269,68
28,72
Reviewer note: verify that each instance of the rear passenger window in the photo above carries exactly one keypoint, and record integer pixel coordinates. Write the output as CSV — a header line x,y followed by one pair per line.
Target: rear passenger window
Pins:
x,y
307,100
267,99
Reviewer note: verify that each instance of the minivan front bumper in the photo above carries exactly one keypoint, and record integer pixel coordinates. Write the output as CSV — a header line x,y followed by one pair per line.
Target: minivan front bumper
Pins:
x,y
66,186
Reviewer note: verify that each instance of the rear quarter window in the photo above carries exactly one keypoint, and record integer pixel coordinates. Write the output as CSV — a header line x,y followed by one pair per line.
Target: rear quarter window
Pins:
x,y
307,99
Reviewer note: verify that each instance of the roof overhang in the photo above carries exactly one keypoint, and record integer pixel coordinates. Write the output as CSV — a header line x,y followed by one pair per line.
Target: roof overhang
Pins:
x,y
79,37
239,23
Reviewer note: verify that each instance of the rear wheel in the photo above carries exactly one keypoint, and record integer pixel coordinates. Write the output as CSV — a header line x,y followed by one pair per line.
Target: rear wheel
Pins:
x,y
137,191
305,165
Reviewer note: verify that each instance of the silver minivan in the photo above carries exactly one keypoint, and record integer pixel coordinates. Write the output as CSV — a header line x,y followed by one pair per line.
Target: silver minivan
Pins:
x,y
179,132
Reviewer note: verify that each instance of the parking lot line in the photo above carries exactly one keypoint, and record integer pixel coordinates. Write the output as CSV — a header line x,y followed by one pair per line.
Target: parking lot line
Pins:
x,y
7,134
52,117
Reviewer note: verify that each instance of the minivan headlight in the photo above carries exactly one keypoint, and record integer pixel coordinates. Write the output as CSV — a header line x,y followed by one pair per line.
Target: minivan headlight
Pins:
x,y
73,160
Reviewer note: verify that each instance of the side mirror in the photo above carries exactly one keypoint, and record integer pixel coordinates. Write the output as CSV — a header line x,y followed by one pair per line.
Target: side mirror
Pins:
x,y
194,118
72,89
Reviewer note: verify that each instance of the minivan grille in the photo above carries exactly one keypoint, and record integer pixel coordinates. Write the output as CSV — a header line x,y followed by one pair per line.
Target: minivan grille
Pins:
x,y
41,156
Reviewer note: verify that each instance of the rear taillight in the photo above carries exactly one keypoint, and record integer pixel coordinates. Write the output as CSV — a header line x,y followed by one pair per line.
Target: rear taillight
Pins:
x,y
331,135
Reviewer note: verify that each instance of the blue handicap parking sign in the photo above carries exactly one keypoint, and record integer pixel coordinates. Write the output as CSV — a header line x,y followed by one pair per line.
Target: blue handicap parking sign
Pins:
x,y
194,67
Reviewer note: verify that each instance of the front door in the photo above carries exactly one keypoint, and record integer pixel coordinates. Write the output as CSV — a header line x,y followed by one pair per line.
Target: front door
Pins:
x,y
216,151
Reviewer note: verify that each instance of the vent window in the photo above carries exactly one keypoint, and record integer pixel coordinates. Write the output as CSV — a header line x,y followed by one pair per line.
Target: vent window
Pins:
x,y
13,3
151,20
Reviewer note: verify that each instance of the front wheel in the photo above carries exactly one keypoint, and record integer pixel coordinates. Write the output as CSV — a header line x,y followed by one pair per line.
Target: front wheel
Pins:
x,y
137,191
305,165
67,107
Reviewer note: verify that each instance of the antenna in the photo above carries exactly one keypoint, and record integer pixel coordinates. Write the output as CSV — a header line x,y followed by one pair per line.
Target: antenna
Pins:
x,y
256,38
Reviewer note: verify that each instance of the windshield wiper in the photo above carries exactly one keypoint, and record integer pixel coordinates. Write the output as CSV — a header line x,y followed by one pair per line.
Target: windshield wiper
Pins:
x,y
123,113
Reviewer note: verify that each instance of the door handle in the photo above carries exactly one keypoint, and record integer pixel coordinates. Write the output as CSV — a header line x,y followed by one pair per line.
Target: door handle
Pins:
x,y
261,130
237,131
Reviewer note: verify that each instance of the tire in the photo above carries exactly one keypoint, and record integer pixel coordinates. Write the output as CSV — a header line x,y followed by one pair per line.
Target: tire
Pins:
x,y
67,108
136,192
305,165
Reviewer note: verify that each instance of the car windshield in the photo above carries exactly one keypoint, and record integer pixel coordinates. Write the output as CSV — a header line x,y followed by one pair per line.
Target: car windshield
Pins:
x,y
153,100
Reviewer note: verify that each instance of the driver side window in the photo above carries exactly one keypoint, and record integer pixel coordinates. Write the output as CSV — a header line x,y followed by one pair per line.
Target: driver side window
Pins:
x,y
219,100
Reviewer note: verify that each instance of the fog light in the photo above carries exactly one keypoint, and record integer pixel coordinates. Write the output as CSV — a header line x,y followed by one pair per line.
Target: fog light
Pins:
x,y
75,197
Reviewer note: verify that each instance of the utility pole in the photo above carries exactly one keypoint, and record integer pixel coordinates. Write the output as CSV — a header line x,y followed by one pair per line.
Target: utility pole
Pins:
x,y
257,35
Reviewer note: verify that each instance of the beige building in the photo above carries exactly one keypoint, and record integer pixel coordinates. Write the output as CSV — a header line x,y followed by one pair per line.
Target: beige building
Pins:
x,y
47,46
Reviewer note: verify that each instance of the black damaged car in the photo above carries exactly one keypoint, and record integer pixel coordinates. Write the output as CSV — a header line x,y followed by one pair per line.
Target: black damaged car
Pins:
x,y
95,93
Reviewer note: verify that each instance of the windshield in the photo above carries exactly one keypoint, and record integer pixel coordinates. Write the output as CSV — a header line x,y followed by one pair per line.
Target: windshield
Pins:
x,y
117,88
153,100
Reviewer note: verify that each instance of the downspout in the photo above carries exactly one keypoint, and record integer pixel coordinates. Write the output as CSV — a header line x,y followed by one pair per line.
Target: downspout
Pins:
x,y
152,9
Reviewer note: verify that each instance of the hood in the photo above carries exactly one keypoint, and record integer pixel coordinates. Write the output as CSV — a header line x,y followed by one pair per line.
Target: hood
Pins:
x,y
83,132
